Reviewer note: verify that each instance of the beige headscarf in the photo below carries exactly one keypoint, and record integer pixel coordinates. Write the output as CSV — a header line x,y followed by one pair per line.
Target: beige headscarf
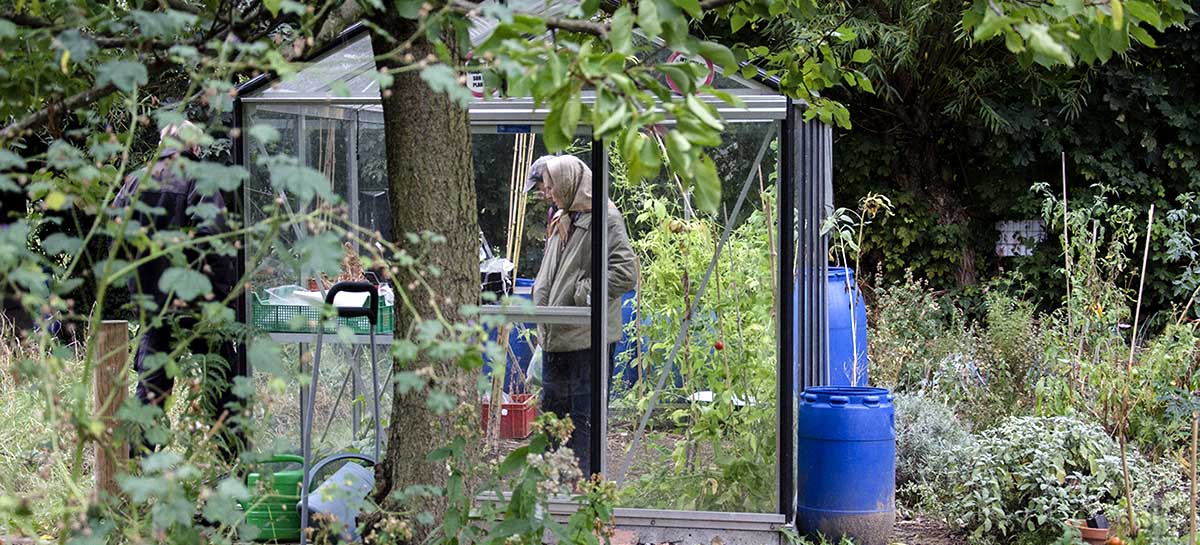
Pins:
x,y
570,182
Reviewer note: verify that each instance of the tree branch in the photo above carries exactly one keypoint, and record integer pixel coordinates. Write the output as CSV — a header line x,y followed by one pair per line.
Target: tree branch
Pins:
x,y
36,119
466,7
25,20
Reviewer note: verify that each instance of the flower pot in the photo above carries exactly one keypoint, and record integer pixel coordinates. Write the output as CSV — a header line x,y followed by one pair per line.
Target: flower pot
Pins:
x,y
1093,536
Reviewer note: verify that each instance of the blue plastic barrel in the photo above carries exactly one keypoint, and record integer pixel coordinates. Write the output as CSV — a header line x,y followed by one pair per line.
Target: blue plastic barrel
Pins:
x,y
846,474
842,302
847,337
517,343
626,352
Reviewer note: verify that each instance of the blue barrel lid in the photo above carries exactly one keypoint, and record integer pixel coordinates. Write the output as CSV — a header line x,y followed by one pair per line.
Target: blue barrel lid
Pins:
x,y
524,282
840,272
843,395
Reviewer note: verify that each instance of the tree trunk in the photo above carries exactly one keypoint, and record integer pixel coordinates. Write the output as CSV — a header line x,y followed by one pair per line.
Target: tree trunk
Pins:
x,y
922,171
431,187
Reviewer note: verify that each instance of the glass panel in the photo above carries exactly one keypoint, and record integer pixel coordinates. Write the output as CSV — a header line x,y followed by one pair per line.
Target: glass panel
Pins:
x,y
323,139
524,228
347,64
709,441
347,146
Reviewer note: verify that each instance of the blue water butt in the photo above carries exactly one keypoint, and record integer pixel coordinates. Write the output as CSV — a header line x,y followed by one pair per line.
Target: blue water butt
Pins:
x,y
518,343
626,352
847,338
846,475
842,302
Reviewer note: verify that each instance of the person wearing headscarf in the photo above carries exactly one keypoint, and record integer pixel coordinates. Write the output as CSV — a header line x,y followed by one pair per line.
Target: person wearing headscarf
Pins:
x,y
565,280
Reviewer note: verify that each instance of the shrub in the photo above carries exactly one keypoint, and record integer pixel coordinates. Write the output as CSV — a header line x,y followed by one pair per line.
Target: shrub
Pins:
x,y
911,331
927,435
1021,479
920,342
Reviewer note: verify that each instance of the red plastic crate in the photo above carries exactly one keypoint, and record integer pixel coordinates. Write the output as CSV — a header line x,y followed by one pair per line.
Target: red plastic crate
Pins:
x,y
516,418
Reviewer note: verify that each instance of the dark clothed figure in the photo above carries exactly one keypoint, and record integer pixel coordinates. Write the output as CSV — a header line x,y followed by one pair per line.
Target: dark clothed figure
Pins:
x,y
178,206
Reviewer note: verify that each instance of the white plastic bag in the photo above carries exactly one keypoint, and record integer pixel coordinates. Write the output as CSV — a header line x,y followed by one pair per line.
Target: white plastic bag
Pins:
x,y
533,377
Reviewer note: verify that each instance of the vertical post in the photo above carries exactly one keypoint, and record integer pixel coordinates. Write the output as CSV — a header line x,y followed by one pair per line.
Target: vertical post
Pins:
x,y
805,200
1192,482
599,375
785,321
109,395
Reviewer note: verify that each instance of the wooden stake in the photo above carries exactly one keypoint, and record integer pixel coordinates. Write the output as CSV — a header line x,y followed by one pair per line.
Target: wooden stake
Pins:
x,y
1067,254
496,402
109,395
1192,482
1124,414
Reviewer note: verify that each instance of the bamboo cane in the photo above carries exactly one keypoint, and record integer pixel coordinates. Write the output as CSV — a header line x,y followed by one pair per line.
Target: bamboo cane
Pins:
x,y
1192,482
1067,259
1124,415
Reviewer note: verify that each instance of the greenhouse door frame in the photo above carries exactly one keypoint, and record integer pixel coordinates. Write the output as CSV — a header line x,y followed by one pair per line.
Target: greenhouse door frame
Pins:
x,y
805,169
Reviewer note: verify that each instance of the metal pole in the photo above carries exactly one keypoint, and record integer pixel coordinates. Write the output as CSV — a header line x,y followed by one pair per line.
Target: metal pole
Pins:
x,y
785,321
599,364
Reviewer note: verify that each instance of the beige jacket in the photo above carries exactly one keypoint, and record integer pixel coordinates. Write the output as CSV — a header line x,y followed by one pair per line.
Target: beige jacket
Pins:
x,y
565,276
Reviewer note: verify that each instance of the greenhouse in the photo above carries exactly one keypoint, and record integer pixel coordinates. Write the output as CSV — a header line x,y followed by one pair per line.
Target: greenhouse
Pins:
x,y
694,417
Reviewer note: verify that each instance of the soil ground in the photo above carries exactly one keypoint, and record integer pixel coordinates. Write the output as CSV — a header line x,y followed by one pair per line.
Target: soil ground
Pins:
x,y
923,531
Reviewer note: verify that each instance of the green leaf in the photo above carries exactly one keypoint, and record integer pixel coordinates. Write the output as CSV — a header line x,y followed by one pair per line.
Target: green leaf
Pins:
x,y
408,9
514,461
707,185
186,283
288,175
263,133
75,43
273,6
1039,40
681,74
647,17
862,56
991,25
212,177
737,22
1118,14
720,55
321,253
864,83
124,75
692,7
59,243
10,160
620,35
613,123
7,29
702,112
1144,12
441,78
1142,36
165,24
408,381
55,200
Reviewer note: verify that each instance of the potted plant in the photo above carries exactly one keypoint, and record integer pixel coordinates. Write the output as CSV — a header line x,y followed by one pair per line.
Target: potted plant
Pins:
x,y
1090,534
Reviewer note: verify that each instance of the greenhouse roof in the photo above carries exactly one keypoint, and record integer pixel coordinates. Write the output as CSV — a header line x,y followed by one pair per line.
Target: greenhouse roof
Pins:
x,y
345,70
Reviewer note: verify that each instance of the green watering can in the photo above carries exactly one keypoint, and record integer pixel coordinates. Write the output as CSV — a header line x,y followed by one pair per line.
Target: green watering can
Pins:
x,y
274,512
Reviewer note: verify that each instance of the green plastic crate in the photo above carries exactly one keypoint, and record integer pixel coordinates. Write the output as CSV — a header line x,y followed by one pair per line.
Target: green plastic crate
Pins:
x,y
304,318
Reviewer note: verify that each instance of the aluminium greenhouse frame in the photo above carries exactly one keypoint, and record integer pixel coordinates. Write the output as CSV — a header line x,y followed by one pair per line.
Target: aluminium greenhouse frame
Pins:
x,y
804,200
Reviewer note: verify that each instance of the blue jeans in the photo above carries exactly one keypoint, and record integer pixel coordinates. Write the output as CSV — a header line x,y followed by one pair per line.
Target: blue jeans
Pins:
x,y
567,392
